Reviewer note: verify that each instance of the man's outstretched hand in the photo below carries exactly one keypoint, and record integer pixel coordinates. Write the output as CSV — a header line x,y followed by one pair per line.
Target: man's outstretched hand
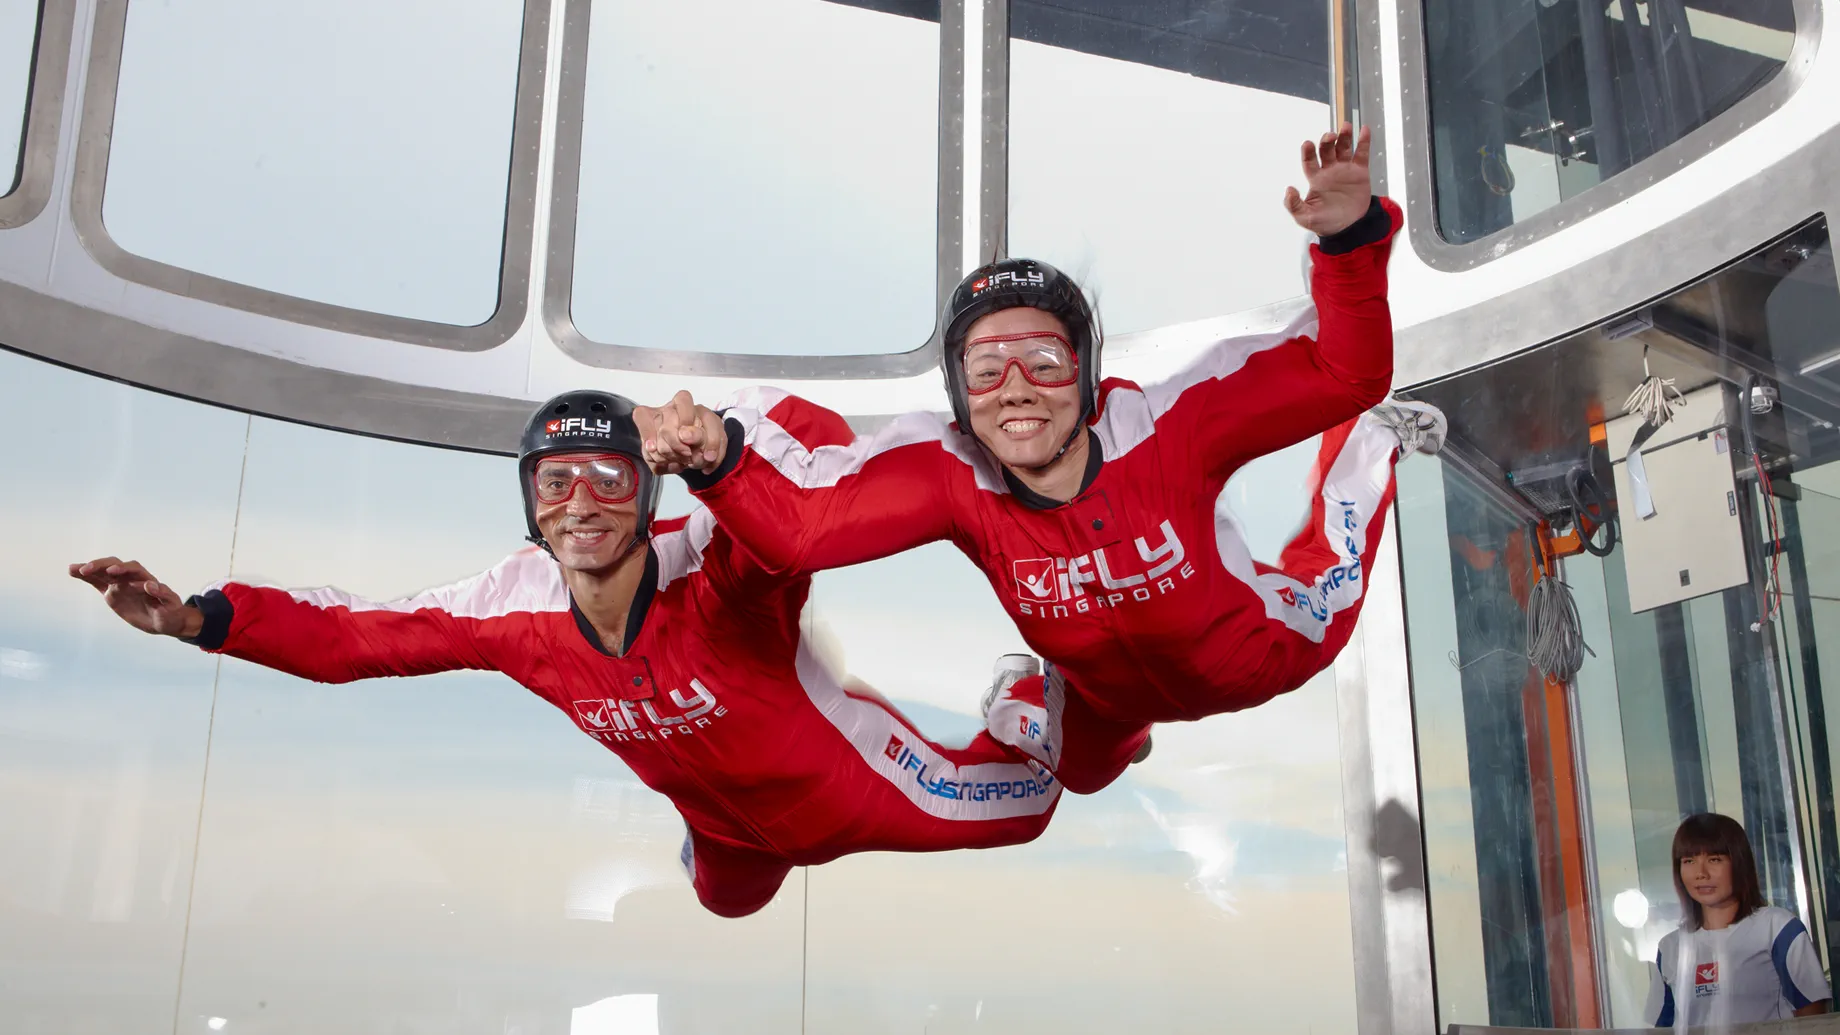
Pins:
x,y
140,599
681,436
1340,188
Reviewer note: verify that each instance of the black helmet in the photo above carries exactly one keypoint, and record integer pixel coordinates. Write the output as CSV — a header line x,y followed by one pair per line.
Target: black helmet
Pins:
x,y
1011,284
586,422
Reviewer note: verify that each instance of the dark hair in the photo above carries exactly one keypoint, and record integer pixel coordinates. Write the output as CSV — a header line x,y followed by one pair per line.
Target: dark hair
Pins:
x,y
1709,833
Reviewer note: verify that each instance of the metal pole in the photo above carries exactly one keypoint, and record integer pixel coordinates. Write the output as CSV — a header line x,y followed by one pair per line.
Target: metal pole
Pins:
x,y
1647,81
1600,86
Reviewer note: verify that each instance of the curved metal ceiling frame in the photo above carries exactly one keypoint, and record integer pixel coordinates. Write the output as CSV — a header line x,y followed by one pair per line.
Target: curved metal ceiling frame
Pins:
x,y
1421,203
171,363
559,279
39,143
89,182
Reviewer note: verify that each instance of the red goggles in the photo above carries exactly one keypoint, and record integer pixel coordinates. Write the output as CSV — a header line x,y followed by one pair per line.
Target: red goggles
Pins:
x,y
1045,359
610,478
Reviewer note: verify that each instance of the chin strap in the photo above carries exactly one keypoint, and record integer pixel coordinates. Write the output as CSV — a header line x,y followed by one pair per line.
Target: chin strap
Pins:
x,y
1078,427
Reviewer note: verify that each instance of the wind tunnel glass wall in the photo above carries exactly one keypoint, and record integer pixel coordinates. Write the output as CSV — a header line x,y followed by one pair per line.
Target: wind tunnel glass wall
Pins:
x,y
1534,102
759,176
18,34
353,152
1150,145
1550,809
216,842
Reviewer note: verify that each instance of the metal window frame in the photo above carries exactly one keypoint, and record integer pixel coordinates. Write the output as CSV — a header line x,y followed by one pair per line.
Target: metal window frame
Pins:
x,y
1389,907
88,182
559,279
993,203
117,348
1415,111
1370,83
42,117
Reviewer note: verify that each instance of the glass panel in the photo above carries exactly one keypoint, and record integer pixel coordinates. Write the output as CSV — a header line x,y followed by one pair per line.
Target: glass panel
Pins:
x,y
1688,702
1801,325
354,152
102,729
1534,102
442,853
1148,152
18,33
407,854
1209,882
759,176
1483,775
1808,634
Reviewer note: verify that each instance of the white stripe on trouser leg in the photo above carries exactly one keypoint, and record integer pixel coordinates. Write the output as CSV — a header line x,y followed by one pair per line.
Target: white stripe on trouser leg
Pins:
x,y
988,790
1352,489
1034,729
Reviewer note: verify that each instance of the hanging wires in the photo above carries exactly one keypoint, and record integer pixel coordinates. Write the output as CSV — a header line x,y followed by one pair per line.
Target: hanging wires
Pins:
x,y
1555,633
1655,398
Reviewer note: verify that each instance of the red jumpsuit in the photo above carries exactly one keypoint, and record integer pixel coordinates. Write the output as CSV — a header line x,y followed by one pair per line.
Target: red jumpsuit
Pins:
x,y
1140,591
718,703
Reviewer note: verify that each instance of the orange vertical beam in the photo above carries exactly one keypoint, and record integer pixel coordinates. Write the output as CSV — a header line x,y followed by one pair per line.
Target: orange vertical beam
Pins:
x,y
1549,844
1569,841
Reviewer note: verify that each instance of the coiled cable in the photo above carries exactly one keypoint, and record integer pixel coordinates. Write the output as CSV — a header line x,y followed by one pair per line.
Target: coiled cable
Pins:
x,y
1555,634
1589,504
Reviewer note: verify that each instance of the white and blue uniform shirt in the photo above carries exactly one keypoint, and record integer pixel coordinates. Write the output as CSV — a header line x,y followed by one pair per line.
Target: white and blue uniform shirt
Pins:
x,y
1761,968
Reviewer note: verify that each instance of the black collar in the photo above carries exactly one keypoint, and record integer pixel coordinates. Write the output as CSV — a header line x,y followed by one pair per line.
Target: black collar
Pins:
x,y
635,616
1095,459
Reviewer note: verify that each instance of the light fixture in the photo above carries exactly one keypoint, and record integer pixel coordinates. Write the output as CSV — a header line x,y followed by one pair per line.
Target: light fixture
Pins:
x,y
1631,908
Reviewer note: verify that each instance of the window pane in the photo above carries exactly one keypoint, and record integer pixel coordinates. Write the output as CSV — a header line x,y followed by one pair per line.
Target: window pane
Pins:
x,y
1532,103
1481,781
353,151
18,31
102,728
1148,159
758,176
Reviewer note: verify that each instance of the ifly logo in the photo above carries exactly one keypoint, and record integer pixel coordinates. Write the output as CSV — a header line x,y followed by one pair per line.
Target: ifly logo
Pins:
x,y
1056,587
1315,598
1705,980
907,761
1009,278
578,426
621,721
1035,579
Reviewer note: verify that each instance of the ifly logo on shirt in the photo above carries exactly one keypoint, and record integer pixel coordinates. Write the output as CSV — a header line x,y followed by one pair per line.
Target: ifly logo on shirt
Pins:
x,y
1706,980
619,721
579,426
1056,587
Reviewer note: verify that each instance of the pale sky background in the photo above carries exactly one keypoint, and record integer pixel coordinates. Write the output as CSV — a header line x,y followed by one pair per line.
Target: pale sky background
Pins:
x,y
363,847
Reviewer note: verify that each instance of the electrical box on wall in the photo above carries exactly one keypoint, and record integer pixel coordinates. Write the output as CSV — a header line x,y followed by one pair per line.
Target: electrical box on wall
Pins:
x,y
1678,507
